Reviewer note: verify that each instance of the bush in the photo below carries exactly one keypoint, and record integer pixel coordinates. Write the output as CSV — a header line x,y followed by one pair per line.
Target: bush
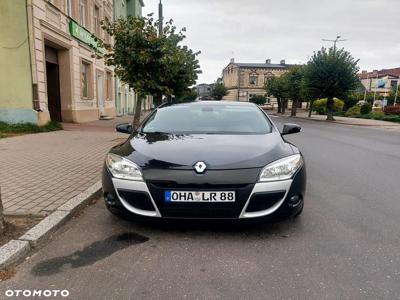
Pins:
x,y
391,118
320,106
353,111
21,128
365,109
377,115
392,110
258,99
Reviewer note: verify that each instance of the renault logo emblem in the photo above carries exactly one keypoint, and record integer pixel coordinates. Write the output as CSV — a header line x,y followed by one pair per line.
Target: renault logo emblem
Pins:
x,y
200,167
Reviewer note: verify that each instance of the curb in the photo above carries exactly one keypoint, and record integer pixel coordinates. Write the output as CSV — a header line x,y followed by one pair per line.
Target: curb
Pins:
x,y
15,250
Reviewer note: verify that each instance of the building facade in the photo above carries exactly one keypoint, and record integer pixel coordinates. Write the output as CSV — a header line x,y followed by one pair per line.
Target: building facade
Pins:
x,y
204,90
382,82
243,80
125,96
50,71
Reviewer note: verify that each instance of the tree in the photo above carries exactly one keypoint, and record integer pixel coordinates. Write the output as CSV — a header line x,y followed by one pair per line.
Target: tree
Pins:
x,y
277,87
331,73
189,95
219,91
150,63
258,99
295,86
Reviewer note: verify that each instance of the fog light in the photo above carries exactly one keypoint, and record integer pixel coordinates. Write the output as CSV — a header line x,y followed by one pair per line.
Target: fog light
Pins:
x,y
109,198
294,201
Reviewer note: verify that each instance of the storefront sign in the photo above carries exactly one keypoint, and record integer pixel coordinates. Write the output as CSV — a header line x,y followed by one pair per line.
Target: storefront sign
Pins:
x,y
83,35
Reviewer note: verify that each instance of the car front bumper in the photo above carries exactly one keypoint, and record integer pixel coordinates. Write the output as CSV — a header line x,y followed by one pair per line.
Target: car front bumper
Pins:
x,y
261,200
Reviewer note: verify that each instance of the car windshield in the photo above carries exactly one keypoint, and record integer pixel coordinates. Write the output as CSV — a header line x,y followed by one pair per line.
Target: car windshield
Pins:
x,y
208,119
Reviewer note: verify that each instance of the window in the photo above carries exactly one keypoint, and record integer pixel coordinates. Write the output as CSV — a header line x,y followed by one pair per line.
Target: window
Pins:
x,y
253,79
97,21
208,119
68,7
82,12
109,86
106,35
85,79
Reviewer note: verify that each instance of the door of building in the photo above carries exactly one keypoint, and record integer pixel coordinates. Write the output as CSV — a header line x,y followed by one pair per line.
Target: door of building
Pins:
x,y
53,84
100,96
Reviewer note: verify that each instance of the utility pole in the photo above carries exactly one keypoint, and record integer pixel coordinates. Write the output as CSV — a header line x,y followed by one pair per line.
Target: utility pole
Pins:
x,y
160,19
335,41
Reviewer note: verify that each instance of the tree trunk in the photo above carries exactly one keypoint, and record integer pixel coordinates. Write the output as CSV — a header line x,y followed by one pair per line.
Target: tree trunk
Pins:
x,y
283,106
294,108
157,100
279,106
138,110
2,222
310,108
329,109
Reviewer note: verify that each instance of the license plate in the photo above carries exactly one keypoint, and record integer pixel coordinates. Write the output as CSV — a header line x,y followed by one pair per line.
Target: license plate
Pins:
x,y
184,196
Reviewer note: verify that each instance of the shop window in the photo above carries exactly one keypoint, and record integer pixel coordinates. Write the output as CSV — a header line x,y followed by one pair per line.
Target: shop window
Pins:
x,y
85,79
109,86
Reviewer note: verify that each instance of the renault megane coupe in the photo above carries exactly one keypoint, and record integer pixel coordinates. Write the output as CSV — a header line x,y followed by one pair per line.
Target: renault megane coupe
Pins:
x,y
205,160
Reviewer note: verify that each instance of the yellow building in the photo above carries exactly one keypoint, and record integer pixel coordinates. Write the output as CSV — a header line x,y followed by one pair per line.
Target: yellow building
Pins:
x,y
243,80
48,70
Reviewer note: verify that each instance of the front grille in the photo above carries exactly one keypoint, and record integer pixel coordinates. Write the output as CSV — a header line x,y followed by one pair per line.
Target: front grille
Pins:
x,y
140,200
199,210
263,201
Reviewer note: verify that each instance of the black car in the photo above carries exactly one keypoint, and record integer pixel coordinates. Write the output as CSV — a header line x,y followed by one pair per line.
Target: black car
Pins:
x,y
205,160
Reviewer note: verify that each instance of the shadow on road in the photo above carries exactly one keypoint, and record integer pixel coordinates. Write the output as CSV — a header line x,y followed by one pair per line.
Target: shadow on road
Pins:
x,y
89,255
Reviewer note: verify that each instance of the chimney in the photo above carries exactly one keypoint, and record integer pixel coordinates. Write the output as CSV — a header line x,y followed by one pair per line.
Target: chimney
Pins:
x,y
268,61
232,60
282,62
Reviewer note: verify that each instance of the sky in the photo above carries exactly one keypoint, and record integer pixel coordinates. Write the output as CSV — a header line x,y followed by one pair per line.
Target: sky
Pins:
x,y
256,30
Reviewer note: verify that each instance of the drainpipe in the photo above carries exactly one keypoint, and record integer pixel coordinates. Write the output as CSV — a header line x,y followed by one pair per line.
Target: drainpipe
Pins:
x,y
35,92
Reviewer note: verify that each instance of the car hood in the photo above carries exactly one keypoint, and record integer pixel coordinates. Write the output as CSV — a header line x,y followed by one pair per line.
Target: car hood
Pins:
x,y
219,152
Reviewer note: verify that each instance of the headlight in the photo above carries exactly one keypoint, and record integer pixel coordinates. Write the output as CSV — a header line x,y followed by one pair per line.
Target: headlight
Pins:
x,y
122,168
282,169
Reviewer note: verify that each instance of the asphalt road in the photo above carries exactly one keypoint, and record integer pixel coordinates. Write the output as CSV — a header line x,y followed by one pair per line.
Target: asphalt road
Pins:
x,y
346,245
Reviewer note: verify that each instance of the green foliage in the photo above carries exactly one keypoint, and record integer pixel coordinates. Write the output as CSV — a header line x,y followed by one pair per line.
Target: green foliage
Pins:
x,y
377,115
219,91
189,95
277,87
319,105
365,109
7,129
352,99
149,63
258,99
353,111
331,73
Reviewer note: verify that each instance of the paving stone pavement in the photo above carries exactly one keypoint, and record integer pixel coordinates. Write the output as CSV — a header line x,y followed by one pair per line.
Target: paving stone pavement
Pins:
x,y
40,172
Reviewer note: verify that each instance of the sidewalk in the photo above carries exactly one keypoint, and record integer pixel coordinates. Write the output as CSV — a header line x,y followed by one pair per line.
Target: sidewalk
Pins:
x,y
40,172
344,120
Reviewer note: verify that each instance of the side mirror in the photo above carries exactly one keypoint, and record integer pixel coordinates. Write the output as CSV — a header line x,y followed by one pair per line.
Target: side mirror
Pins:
x,y
125,128
290,128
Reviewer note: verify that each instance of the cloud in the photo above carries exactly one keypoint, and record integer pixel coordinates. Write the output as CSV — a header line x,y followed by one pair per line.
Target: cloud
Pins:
x,y
254,30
